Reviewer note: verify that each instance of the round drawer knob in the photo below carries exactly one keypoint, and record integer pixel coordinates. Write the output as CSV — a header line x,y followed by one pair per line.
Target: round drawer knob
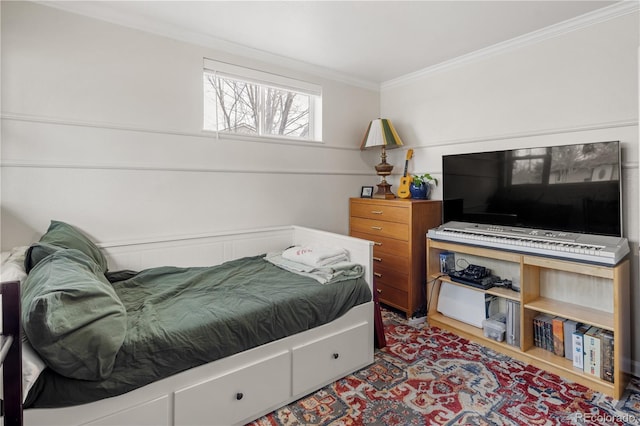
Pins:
x,y
239,396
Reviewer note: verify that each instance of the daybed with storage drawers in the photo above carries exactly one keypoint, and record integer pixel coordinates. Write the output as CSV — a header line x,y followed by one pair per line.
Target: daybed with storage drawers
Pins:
x,y
272,368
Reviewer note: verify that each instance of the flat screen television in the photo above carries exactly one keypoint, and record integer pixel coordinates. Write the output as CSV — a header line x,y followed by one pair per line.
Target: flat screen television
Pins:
x,y
571,188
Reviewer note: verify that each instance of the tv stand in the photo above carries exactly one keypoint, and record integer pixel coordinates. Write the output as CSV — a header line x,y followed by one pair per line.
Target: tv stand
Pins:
x,y
597,295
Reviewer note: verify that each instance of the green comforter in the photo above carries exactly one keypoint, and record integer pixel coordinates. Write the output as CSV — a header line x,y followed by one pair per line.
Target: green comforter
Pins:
x,y
179,318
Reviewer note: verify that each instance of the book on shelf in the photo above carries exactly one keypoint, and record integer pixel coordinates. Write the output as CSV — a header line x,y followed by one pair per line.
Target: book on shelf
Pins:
x,y
569,327
557,324
578,348
538,332
543,333
592,352
606,340
548,332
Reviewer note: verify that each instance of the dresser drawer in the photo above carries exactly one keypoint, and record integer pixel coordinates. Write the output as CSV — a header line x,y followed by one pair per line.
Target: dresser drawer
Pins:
x,y
392,277
380,212
392,296
395,230
398,263
384,244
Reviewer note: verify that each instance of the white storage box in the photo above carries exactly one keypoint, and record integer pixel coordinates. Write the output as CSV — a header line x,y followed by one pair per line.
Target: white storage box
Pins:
x,y
463,304
495,327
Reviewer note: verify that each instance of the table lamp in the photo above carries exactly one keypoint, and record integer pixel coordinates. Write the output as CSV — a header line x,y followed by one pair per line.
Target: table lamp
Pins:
x,y
382,133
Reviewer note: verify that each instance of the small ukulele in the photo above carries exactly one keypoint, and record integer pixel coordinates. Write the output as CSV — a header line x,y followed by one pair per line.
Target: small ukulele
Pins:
x,y
405,181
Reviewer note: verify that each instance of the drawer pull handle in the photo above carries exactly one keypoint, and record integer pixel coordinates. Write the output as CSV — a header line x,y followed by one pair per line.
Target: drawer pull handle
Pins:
x,y
239,396
377,259
377,243
377,228
379,291
377,274
336,355
376,211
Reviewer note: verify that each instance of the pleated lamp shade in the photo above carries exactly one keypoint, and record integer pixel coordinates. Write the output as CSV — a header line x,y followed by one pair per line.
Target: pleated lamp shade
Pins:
x,y
381,133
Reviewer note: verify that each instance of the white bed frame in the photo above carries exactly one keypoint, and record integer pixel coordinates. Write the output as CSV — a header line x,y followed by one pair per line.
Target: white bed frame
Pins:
x,y
245,386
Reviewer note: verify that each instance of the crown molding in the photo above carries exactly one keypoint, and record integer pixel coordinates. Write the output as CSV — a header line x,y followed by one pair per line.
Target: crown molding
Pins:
x,y
94,10
622,8
631,122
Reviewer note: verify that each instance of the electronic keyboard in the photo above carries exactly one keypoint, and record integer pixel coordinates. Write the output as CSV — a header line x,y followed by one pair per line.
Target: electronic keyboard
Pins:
x,y
597,249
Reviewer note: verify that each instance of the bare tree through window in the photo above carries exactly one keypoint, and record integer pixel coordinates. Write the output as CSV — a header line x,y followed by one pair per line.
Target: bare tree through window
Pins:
x,y
234,105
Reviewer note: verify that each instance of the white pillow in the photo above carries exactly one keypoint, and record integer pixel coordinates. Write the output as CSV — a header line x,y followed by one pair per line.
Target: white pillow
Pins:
x,y
12,266
12,269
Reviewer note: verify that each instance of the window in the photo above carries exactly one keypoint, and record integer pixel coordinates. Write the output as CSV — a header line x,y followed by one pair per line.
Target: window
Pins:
x,y
245,101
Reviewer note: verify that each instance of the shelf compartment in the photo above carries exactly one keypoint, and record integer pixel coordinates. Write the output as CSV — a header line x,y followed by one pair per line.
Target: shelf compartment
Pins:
x,y
469,331
494,291
574,312
538,357
569,266
446,279
565,366
504,293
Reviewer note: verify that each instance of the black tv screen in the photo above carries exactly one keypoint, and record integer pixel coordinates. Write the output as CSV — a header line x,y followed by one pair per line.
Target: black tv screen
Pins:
x,y
571,188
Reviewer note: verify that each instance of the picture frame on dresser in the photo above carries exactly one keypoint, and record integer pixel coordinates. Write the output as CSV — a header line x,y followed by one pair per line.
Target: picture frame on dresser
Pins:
x,y
366,192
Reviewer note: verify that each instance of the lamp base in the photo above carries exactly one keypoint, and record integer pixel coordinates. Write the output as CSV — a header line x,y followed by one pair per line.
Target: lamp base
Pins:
x,y
384,191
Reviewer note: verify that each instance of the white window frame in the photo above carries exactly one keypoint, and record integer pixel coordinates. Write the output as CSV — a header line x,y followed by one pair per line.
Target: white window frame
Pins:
x,y
265,79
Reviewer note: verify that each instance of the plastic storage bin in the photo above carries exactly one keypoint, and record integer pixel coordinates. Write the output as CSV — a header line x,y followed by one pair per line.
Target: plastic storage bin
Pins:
x,y
495,327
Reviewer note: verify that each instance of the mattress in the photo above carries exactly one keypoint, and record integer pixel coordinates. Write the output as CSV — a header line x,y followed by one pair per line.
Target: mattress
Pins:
x,y
179,318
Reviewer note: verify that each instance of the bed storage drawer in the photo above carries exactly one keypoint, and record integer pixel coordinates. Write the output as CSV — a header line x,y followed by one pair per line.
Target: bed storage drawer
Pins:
x,y
152,413
330,358
237,395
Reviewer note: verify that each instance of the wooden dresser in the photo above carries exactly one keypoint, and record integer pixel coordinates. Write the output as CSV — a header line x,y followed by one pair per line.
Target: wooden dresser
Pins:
x,y
398,228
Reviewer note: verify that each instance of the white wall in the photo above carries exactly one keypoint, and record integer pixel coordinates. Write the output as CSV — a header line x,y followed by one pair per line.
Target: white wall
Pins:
x,y
102,128
579,86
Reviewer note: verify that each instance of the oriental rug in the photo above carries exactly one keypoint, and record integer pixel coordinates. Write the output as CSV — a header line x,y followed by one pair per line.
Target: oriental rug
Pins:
x,y
428,376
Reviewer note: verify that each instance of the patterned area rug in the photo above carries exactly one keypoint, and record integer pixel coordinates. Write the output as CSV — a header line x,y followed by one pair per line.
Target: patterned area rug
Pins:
x,y
427,376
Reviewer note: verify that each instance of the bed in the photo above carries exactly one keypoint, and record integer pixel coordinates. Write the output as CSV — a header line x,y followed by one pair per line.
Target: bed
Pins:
x,y
230,383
